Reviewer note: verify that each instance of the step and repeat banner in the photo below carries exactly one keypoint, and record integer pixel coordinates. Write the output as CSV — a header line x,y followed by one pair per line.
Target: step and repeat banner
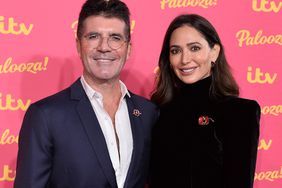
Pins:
x,y
38,58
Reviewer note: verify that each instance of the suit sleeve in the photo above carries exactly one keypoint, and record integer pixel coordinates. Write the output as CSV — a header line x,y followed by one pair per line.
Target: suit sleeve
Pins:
x,y
35,151
240,144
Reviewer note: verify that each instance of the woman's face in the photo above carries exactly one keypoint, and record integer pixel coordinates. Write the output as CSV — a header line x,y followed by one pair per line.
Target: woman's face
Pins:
x,y
190,55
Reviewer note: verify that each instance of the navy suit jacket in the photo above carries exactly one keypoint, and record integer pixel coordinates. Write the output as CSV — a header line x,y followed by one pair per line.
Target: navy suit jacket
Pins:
x,y
62,145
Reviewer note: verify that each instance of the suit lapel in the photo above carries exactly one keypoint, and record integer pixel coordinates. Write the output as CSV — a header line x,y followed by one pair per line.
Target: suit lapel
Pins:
x,y
93,131
138,144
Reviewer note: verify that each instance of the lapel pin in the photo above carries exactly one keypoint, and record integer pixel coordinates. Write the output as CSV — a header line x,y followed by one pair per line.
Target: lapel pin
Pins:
x,y
136,112
204,120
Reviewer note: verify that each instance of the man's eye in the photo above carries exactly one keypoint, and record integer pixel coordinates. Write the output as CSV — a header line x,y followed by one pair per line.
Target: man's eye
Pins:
x,y
92,36
116,38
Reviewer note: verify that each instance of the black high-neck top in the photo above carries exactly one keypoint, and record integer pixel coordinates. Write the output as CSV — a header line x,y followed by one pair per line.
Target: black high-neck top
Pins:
x,y
195,142
196,95
200,89
192,102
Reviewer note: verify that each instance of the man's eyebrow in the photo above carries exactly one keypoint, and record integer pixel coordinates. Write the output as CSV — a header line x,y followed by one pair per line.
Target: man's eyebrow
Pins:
x,y
116,34
92,33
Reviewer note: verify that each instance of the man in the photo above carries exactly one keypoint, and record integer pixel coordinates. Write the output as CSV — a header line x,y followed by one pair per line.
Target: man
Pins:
x,y
95,133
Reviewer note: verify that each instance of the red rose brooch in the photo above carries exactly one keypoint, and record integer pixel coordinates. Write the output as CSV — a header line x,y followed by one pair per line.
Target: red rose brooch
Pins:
x,y
204,120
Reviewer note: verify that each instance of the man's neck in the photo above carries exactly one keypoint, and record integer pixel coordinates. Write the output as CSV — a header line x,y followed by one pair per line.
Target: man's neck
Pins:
x,y
108,88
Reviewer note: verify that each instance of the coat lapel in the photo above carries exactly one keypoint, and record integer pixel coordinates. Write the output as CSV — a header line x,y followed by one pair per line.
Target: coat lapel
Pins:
x,y
138,144
93,131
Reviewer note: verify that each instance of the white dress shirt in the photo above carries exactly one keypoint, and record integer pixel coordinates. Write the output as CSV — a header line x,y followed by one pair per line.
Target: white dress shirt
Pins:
x,y
123,130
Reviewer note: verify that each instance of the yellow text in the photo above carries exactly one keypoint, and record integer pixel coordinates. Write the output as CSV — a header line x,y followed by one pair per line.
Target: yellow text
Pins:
x,y
11,27
8,174
266,6
269,175
244,37
132,26
74,27
8,138
30,67
260,77
274,110
9,103
187,3
156,70
264,145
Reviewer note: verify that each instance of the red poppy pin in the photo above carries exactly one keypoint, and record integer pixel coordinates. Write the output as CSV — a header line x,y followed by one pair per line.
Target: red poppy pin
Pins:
x,y
204,120
136,112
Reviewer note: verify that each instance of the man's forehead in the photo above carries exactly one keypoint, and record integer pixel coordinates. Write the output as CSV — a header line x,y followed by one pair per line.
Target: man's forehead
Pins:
x,y
104,24
104,21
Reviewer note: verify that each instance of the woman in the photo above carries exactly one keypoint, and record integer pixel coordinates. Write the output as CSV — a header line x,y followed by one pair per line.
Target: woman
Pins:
x,y
206,136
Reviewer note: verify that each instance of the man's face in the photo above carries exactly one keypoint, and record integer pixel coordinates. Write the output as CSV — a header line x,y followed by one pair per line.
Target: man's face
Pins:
x,y
103,63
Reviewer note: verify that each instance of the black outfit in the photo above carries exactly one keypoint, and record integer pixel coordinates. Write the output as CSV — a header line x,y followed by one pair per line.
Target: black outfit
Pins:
x,y
190,153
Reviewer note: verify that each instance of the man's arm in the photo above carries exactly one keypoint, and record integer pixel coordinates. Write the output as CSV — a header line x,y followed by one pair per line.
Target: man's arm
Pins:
x,y
35,151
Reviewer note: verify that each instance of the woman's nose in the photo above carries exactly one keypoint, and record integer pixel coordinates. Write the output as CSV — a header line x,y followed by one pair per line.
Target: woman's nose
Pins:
x,y
186,57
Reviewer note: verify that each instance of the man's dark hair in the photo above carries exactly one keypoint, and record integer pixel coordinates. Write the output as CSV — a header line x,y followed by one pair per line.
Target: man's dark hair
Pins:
x,y
108,9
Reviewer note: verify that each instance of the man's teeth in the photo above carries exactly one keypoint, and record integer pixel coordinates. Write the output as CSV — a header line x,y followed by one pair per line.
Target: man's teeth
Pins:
x,y
99,59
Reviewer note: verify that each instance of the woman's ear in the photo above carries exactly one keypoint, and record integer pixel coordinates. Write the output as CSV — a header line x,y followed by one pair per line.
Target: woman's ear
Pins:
x,y
215,52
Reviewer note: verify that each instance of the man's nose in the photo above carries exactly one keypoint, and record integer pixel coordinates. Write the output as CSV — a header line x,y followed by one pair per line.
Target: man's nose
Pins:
x,y
103,44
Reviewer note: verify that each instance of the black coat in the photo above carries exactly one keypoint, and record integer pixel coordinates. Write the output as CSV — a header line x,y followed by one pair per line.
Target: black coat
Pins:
x,y
62,145
219,153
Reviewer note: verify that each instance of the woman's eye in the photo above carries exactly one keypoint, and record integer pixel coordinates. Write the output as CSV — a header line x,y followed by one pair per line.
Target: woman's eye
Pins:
x,y
174,51
195,48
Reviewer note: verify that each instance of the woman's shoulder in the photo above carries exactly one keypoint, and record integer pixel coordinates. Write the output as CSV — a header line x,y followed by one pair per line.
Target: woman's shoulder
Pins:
x,y
240,102
240,114
239,105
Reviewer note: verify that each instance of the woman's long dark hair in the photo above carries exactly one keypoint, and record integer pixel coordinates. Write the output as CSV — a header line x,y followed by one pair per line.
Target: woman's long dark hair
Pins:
x,y
223,83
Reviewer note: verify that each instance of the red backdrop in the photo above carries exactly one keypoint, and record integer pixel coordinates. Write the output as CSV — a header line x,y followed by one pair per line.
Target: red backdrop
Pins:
x,y
38,58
